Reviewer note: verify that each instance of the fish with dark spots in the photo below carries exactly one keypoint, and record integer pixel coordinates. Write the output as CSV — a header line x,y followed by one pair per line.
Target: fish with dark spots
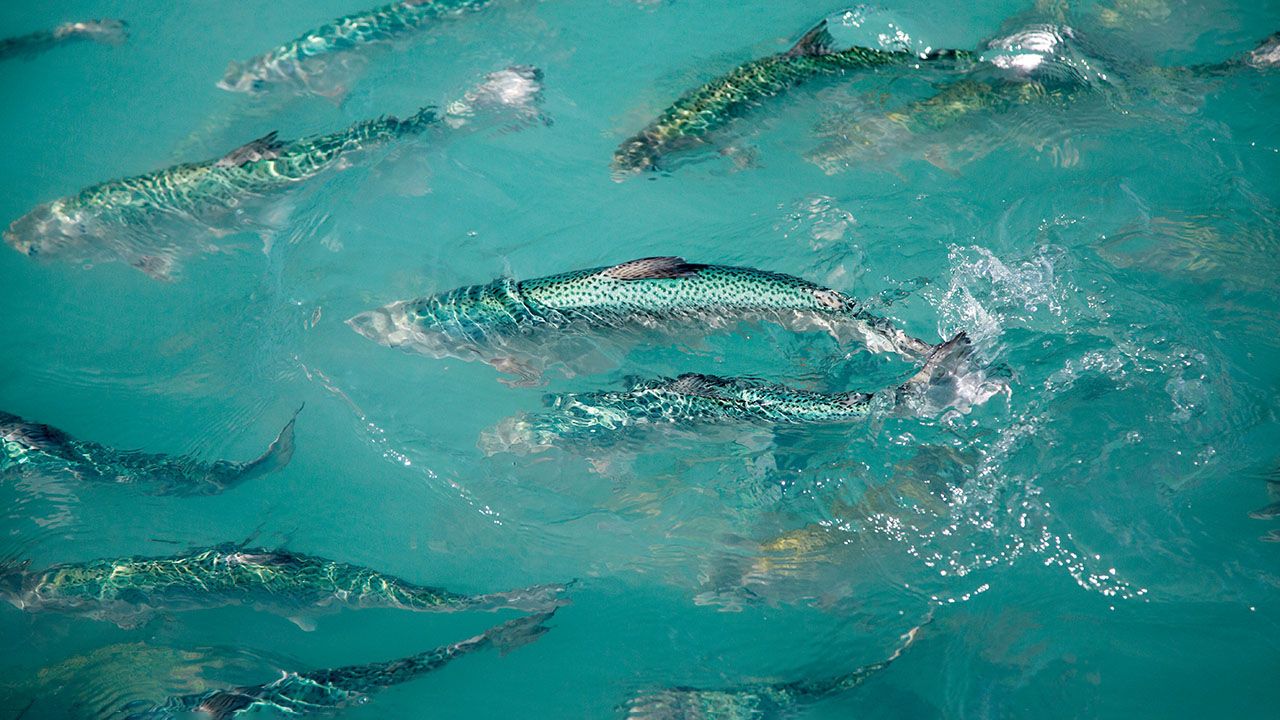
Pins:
x,y
128,591
324,691
302,61
31,447
497,321
694,399
690,121
1041,67
112,220
110,32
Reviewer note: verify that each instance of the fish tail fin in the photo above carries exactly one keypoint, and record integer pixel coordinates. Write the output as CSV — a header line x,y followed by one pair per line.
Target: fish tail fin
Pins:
x,y
278,453
521,631
817,41
941,364
513,93
536,598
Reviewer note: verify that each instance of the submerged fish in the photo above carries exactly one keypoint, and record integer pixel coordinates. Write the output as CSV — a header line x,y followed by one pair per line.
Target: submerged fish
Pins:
x,y
97,221
694,399
322,691
32,446
689,121
491,321
762,701
128,591
104,31
302,59
1039,66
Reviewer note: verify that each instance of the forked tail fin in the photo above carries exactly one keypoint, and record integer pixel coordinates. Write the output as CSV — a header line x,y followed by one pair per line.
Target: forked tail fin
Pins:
x,y
278,453
521,631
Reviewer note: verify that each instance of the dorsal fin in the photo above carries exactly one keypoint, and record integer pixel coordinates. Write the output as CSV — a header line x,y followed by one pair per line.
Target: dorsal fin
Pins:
x,y
653,268
815,42
264,148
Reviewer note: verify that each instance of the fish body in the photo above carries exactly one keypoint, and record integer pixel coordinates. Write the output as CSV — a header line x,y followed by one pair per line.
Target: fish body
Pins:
x,y
321,691
97,221
695,399
486,320
688,121
127,590
299,60
685,401
1040,67
761,701
111,32
27,446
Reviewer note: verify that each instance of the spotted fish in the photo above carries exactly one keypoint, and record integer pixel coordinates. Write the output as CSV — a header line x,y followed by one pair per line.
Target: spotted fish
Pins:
x,y
694,399
301,62
129,590
503,320
323,691
32,447
1040,66
115,219
691,119
111,32
761,701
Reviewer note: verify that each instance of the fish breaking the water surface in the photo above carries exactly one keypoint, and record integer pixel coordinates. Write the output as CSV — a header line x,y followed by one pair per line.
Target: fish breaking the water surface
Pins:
x,y
303,60
128,591
111,32
117,219
29,446
508,320
688,122
1039,66
323,691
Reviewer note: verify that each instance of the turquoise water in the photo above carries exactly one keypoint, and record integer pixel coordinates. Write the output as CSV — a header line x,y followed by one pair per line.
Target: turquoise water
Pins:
x,y
1082,542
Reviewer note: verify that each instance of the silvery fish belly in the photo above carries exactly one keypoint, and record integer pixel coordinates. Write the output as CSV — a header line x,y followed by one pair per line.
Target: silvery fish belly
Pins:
x,y
32,447
308,61
512,323
127,591
686,401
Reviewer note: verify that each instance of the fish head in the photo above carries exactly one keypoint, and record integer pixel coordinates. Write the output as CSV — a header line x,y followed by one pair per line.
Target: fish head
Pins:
x,y
240,77
517,435
50,232
1266,55
400,325
633,157
111,32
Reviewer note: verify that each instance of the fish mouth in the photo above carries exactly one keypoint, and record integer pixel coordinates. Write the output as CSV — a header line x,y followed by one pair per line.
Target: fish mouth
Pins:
x,y
392,326
378,325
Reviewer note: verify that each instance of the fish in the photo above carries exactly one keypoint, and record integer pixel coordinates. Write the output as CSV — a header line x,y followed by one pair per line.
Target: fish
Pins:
x,y
695,399
301,61
109,32
323,691
1040,66
689,121
27,446
116,220
128,591
759,701
493,321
